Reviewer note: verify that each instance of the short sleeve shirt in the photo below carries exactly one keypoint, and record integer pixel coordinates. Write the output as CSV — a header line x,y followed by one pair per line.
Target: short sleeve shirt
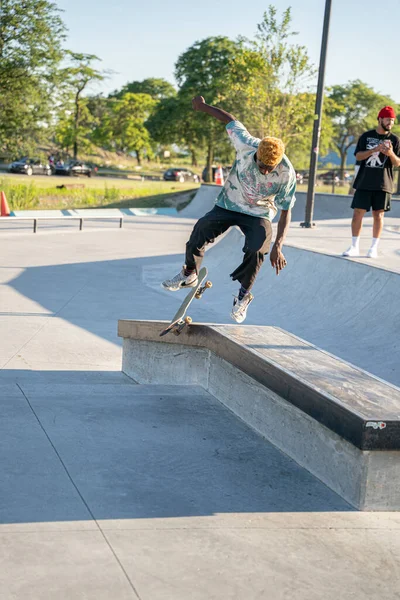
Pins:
x,y
246,189
376,172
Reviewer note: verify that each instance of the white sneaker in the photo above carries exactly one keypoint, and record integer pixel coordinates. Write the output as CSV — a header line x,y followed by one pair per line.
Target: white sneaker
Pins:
x,y
239,309
372,253
352,251
180,281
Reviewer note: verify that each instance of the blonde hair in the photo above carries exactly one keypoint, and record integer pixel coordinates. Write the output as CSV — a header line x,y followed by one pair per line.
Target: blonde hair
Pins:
x,y
270,151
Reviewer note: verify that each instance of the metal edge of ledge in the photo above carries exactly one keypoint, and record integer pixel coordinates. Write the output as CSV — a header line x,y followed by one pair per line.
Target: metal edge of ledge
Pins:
x,y
318,404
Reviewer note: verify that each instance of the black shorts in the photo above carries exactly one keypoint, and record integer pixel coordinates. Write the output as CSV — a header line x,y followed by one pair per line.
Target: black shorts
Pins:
x,y
366,199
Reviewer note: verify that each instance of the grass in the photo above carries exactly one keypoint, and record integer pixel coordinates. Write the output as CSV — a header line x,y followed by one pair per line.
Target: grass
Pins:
x,y
42,192
325,189
106,160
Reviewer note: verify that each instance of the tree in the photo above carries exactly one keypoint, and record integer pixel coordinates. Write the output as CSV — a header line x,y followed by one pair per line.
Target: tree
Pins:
x,y
205,69
270,81
354,108
76,77
71,135
31,36
172,123
126,124
158,89
99,108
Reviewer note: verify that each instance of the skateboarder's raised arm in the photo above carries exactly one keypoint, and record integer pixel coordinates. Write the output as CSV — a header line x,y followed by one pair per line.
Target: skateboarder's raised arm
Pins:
x,y
199,104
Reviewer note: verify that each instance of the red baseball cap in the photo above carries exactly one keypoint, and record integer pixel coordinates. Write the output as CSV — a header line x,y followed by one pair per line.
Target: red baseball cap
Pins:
x,y
387,112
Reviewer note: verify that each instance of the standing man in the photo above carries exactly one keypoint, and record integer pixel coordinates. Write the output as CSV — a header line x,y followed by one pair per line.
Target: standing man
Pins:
x,y
262,180
377,152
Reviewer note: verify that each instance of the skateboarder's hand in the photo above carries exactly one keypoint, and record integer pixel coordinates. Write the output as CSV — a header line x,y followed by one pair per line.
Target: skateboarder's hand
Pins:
x,y
197,102
278,261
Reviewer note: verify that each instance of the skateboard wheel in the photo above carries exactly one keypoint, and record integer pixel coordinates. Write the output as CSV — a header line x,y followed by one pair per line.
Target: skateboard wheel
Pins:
x,y
176,331
188,320
208,284
197,296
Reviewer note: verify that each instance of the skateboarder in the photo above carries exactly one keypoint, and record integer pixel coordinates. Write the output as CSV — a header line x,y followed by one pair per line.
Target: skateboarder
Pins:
x,y
377,152
262,180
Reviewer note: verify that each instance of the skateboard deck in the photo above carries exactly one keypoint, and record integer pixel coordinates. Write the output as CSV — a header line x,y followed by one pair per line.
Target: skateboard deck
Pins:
x,y
180,320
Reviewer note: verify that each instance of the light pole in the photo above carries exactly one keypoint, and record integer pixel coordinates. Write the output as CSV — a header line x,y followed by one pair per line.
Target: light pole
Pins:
x,y
317,120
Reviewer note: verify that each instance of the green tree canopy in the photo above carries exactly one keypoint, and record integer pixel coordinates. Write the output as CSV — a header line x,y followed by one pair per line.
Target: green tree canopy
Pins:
x,y
31,36
353,109
172,123
76,119
271,79
125,124
205,69
158,89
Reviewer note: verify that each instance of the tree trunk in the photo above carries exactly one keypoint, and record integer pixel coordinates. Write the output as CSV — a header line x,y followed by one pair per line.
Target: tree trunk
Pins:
x,y
76,126
343,157
210,160
194,157
139,161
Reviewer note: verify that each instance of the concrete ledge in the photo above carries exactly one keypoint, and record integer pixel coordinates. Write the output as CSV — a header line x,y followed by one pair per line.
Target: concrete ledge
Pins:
x,y
337,421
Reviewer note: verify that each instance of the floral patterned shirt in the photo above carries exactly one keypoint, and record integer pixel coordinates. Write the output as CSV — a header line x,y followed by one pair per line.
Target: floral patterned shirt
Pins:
x,y
246,189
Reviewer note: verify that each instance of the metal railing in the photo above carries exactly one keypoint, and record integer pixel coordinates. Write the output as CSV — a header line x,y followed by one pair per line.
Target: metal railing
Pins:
x,y
62,218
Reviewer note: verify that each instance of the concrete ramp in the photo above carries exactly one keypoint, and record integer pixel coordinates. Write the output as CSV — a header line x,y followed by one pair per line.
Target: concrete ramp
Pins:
x,y
326,206
332,206
203,201
346,308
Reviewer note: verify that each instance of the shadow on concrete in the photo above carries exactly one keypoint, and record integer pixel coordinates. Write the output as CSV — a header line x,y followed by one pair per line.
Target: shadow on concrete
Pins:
x,y
75,451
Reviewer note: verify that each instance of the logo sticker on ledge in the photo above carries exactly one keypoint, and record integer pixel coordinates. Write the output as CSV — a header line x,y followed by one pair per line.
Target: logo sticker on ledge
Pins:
x,y
376,424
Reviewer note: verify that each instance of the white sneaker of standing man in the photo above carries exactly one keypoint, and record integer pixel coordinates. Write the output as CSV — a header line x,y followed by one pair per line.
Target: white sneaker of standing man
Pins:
x,y
354,249
373,251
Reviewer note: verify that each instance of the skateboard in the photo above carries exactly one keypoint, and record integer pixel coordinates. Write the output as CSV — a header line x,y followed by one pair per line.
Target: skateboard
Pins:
x,y
180,320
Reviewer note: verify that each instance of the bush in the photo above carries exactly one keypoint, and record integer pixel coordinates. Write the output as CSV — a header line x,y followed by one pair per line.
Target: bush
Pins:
x,y
20,196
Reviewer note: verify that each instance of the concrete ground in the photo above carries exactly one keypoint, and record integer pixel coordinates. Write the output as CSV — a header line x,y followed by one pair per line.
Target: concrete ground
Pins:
x,y
111,489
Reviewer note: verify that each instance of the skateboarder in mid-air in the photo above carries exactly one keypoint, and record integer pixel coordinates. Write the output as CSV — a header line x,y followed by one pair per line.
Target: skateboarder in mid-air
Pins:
x,y
262,180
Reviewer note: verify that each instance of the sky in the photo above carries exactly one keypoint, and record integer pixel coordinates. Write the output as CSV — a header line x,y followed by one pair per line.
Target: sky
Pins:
x,y
137,40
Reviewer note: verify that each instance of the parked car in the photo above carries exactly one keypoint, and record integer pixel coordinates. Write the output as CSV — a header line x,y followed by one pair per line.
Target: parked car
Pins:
x,y
29,166
181,175
329,177
72,168
302,176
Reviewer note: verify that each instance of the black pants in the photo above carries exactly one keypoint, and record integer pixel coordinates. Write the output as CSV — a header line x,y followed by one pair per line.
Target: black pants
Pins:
x,y
257,231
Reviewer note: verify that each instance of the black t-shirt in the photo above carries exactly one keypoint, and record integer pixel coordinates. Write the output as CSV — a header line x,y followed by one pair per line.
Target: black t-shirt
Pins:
x,y
376,172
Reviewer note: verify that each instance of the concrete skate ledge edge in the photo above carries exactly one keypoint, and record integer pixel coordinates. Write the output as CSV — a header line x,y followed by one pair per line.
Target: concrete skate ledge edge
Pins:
x,y
335,420
340,396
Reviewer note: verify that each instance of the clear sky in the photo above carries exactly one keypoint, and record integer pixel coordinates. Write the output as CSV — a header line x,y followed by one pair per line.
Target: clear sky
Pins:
x,y
143,39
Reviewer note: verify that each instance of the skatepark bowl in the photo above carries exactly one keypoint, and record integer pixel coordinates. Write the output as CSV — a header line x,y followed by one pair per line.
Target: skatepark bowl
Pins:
x,y
229,462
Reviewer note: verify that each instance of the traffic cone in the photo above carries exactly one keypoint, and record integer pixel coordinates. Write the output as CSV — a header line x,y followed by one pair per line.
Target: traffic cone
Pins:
x,y
219,176
5,210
